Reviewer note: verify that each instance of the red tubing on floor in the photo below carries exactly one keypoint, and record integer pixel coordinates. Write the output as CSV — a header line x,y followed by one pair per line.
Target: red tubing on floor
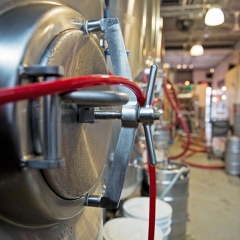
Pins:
x,y
188,142
35,90
174,123
200,165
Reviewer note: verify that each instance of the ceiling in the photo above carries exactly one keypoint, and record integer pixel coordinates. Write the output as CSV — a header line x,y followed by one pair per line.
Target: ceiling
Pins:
x,y
183,26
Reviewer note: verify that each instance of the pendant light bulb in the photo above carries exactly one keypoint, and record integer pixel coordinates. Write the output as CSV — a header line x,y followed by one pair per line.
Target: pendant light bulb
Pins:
x,y
196,50
214,17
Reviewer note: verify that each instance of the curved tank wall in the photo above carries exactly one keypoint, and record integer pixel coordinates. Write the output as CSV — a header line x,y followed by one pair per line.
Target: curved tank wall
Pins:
x,y
140,22
31,206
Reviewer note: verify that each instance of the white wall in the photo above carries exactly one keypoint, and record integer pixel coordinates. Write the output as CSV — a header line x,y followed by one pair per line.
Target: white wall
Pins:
x,y
232,82
222,68
200,75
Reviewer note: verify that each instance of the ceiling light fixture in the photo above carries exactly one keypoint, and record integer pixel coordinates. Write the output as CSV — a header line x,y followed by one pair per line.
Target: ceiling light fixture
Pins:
x,y
179,66
214,17
224,97
214,99
187,83
184,66
224,88
190,66
196,50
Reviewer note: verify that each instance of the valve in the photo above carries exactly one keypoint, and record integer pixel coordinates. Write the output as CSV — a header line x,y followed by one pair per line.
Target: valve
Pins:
x,y
130,115
145,115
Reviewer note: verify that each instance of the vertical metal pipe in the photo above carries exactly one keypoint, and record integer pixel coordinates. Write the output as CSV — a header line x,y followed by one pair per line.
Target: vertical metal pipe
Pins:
x,y
52,126
151,85
150,146
117,48
118,54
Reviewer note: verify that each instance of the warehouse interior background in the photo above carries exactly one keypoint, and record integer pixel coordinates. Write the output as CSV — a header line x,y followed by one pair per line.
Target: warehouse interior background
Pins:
x,y
119,119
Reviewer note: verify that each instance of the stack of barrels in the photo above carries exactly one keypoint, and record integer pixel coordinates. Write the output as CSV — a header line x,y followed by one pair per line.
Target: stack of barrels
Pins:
x,y
236,127
232,156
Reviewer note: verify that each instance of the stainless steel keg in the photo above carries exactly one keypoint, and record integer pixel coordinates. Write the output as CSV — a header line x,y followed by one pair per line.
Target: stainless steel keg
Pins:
x,y
232,156
161,137
177,196
236,124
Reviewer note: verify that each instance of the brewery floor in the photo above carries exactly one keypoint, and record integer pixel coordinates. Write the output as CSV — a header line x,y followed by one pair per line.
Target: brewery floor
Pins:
x,y
214,209
213,204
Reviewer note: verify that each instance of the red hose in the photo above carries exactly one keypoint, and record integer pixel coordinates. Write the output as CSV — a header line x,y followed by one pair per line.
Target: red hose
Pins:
x,y
174,123
152,192
152,201
174,92
188,142
196,144
181,119
194,149
155,101
201,137
35,90
145,79
197,164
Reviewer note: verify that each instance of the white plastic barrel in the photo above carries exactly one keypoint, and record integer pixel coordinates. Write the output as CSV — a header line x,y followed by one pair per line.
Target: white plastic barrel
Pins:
x,y
138,208
128,229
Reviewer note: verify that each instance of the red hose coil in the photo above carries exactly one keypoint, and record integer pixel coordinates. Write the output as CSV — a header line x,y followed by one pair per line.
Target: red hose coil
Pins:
x,y
188,142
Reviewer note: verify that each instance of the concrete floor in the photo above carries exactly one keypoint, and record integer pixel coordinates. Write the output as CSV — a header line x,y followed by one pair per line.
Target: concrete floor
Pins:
x,y
214,204
214,200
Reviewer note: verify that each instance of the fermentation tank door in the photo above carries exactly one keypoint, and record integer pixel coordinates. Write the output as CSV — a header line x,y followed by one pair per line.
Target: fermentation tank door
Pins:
x,y
49,204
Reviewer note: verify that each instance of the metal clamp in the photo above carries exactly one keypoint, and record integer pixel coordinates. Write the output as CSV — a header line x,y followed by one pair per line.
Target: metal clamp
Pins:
x,y
52,114
52,121
130,116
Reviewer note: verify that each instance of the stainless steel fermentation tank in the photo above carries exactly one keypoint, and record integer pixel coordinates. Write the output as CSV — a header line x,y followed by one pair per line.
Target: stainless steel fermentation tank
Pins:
x,y
47,204
41,203
232,156
141,27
